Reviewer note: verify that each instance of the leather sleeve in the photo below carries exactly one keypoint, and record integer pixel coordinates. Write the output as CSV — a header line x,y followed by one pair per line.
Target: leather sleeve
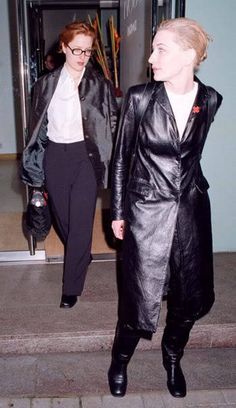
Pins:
x,y
32,172
113,110
122,156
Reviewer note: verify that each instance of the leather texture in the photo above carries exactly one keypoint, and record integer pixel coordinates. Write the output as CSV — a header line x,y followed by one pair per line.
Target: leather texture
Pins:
x,y
174,340
99,115
117,378
176,383
164,194
124,345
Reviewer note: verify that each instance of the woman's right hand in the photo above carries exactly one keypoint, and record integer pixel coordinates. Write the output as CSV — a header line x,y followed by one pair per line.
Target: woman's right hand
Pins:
x,y
118,227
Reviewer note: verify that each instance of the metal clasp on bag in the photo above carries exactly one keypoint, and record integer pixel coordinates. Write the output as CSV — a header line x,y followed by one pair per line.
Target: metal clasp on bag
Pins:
x,y
39,198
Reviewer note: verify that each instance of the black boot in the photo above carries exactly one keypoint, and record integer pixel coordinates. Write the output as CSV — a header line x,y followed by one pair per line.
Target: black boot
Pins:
x,y
125,342
176,383
174,340
117,377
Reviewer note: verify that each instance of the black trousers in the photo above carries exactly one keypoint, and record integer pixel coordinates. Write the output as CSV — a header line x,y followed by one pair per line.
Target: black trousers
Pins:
x,y
72,190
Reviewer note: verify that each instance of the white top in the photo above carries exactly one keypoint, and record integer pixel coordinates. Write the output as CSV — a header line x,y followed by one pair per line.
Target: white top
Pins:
x,y
64,111
181,105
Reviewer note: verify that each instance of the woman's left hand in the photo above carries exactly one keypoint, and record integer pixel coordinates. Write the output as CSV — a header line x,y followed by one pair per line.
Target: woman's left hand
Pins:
x,y
118,227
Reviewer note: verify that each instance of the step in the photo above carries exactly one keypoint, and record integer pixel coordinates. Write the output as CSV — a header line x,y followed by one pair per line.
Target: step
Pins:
x,y
32,322
57,375
202,336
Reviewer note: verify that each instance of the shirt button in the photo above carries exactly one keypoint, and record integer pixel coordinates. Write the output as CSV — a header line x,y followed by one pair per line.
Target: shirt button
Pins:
x,y
82,98
86,136
85,118
90,154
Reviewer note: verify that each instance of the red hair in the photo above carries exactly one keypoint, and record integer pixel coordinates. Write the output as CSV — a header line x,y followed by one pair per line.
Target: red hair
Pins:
x,y
73,29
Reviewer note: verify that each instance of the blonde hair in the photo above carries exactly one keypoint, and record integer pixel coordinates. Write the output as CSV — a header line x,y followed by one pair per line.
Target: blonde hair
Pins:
x,y
189,34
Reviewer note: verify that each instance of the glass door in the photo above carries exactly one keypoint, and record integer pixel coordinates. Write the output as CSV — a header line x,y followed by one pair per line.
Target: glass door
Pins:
x,y
15,243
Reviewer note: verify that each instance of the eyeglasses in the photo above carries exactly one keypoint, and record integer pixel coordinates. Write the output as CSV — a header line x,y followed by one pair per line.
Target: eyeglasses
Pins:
x,y
77,51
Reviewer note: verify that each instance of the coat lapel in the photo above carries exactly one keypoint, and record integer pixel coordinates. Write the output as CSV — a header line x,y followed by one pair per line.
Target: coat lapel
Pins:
x,y
199,106
200,100
49,85
161,97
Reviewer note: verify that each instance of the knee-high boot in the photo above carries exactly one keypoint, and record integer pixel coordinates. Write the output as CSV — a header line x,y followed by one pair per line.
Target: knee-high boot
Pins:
x,y
175,338
125,342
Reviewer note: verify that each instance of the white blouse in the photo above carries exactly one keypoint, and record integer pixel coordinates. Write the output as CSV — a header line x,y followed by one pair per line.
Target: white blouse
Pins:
x,y
64,111
182,105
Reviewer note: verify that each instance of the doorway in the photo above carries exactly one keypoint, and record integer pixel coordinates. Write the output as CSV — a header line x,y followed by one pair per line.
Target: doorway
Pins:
x,y
34,26
36,36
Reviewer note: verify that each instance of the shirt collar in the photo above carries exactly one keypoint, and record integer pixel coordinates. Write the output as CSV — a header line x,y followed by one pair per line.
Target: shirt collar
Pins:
x,y
66,75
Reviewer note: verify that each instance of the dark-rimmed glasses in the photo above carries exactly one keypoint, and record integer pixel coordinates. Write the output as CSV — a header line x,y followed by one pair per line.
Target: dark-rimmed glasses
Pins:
x,y
77,51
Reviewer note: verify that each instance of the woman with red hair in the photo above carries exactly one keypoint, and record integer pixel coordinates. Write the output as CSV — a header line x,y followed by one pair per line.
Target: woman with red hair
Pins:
x,y
72,125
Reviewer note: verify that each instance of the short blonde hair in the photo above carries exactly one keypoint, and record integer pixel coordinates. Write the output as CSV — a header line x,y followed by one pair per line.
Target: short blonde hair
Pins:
x,y
189,34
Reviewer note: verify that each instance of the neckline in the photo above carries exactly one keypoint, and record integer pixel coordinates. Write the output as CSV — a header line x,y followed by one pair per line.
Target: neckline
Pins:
x,y
176,95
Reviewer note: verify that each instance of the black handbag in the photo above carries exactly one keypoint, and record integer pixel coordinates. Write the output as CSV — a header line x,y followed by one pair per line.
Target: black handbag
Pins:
x,y
38,217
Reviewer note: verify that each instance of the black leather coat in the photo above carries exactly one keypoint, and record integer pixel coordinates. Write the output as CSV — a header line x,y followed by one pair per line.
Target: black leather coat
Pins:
x,y
99,116
165,193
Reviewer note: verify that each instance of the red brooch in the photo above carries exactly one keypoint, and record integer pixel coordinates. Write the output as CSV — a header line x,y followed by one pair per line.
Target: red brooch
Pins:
x,y
196,109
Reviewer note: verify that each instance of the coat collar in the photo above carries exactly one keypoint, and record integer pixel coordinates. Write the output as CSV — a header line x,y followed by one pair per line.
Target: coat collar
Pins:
x,y
52,79
161,97
49,83
202,94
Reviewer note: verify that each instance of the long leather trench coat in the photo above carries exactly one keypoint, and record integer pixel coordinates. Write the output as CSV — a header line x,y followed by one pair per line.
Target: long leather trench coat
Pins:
x,y
164,194
99,117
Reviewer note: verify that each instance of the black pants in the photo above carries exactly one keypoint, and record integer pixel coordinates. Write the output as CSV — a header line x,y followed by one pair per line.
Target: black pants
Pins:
x,y
72,189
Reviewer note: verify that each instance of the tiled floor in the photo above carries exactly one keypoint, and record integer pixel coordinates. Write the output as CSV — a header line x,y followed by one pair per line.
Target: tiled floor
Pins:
x,y
195,399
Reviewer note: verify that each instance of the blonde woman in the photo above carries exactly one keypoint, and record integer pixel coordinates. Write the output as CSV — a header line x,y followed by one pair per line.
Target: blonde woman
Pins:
x,y
160,206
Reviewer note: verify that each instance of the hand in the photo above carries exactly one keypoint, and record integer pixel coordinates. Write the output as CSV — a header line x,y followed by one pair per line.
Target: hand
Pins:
x,y
118,228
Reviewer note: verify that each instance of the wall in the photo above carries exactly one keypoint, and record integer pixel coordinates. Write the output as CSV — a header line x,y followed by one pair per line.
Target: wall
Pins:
x,y
218,71
7,115
218,18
